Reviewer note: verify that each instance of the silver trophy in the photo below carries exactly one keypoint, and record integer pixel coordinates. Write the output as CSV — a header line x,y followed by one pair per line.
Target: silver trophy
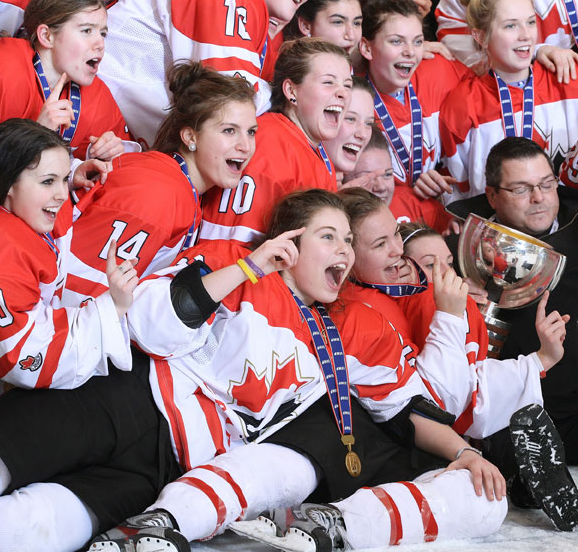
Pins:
x,y
514,268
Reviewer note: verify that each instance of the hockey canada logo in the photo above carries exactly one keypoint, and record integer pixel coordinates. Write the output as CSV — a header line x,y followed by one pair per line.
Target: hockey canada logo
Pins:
x,y
257,387
31,363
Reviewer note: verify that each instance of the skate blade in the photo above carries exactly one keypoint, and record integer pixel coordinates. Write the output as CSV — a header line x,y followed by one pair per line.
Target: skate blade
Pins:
x,y
291,542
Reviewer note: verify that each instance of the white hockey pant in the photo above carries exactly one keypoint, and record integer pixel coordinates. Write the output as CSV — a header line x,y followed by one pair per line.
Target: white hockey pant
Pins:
x,y
44,516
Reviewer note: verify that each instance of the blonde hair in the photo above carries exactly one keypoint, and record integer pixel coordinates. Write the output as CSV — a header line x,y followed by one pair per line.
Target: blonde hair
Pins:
x,y
479,16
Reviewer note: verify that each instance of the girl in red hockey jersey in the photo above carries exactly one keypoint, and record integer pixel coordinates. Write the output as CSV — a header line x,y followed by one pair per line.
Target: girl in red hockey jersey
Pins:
x,y
311,92
472,387
242,363
63,54
43,344
516,98
408,92
151,202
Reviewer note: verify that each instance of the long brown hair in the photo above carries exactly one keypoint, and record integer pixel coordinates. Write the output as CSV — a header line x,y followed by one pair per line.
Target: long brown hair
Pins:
x,y
198,93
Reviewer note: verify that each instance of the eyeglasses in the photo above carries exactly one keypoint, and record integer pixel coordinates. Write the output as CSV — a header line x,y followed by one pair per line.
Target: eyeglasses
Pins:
x,y
526,189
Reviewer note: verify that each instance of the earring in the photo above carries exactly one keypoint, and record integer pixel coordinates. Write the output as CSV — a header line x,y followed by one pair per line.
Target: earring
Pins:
x,y
192,146
293,101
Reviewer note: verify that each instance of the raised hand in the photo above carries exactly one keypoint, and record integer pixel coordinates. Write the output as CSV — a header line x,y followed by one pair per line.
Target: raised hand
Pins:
x,y
56,112
279,253
450,291
551,332
561,61
122,280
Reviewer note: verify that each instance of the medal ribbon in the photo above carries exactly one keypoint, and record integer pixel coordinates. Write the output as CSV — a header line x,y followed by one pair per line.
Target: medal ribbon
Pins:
x,y
74,96
570,8
51,243
334,368
320,151
183,165
508,122
399,290
413,164
263,54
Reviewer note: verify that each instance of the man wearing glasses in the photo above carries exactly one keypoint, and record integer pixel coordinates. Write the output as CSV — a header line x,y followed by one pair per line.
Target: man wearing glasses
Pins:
x,y
522,192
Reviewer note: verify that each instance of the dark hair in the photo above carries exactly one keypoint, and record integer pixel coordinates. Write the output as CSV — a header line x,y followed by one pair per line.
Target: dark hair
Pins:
x,y
294,63
307,11
22,142
297,209
410,231
54,14
376,12
513,147
198,93
361,83
359,204
377,141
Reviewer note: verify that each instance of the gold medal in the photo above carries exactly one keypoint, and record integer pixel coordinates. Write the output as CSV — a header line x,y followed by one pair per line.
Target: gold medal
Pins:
x,y
352,461
353,464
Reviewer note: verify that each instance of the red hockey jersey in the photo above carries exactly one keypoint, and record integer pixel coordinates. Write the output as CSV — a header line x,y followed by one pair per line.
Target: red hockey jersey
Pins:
x,y
147,205
432,81
284,162
146,37
43,344
21,96
251,368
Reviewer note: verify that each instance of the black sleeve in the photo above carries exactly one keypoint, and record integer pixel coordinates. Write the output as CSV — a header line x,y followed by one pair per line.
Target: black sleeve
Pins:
x,y
192,304
400,426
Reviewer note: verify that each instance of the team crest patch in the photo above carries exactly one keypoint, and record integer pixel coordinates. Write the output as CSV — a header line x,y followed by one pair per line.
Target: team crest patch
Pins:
x,y
31,363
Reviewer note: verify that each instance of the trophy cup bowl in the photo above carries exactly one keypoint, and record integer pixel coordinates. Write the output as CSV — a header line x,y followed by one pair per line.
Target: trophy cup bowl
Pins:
x,y
514,268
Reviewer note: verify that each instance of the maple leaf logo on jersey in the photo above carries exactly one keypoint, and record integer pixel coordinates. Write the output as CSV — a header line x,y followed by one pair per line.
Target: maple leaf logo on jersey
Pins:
x,y
31,363
256,388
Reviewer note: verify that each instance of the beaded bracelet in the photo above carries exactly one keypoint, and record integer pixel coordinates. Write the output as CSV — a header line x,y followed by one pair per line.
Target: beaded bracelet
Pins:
x,y
247,270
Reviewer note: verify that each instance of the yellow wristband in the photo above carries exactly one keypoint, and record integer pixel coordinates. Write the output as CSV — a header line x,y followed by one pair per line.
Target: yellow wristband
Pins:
x,y
245,268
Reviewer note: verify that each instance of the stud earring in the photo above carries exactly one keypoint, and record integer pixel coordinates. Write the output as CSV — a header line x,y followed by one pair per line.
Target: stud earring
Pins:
x,y
192,146
293,101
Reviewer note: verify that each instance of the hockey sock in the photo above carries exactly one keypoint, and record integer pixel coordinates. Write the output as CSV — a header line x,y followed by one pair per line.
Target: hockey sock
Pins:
x,y
44,516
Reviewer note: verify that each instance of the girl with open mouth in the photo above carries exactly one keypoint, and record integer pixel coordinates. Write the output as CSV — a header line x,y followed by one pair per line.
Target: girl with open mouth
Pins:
x,y
515,98
52,77
311,93
408,92
43,344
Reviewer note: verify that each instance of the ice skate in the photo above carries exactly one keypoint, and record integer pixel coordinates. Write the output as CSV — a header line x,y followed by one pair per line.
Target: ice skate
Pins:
x,y
540,454
149,532
305,528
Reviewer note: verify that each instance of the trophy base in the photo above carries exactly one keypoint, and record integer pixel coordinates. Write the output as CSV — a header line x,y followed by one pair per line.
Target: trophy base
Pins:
x,y
498,330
